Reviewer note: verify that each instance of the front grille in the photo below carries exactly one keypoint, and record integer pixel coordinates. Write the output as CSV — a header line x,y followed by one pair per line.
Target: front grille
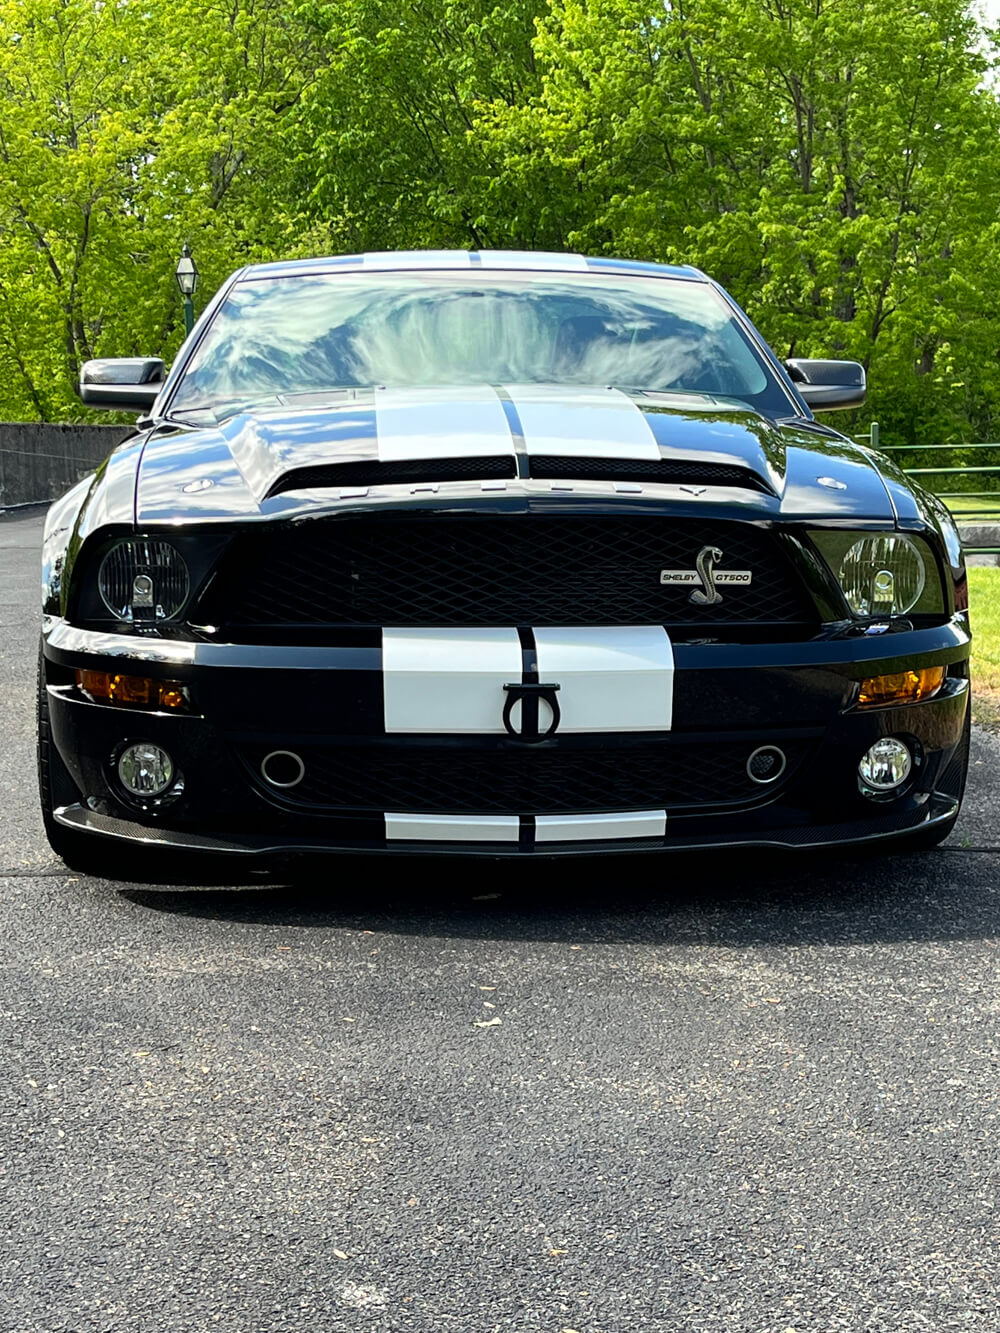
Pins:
x,y
461,569
520,779
639,469
371,472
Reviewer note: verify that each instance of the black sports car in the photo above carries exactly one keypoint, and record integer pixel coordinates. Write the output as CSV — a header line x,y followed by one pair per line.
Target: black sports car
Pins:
x,y
498,553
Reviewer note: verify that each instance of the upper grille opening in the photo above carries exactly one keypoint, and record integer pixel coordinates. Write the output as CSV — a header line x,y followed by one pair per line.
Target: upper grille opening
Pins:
x,y
639,469
463,569
370,472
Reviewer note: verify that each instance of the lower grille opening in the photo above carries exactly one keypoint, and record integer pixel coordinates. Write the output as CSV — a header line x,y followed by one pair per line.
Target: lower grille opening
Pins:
x,y
506,778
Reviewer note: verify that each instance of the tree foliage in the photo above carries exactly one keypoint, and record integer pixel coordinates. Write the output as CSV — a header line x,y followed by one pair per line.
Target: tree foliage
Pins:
x,y
835,163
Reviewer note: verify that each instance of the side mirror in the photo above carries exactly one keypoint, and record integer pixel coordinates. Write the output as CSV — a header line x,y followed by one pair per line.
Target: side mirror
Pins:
x,y
828,385
124,384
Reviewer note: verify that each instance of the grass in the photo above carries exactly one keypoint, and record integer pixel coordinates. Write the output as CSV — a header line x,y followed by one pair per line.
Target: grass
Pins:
x,y
984,595
986,510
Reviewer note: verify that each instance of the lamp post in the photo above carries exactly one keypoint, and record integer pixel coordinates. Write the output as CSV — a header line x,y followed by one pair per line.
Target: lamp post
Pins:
x,y
186,274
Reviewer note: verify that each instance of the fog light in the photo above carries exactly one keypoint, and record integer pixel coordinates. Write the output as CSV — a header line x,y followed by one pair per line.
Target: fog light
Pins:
x,y
902,687
145,769
886,765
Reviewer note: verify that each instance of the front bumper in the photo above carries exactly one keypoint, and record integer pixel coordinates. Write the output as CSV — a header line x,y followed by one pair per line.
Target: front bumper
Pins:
x,y
252,699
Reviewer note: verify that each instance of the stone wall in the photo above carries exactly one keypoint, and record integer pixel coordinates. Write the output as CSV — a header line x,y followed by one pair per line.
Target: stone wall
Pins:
x,y
38,462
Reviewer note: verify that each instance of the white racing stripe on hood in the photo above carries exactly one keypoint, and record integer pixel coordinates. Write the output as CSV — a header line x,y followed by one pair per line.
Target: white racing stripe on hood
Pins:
x,y
440,423
615,679
442,681
583,423
452,828
581,828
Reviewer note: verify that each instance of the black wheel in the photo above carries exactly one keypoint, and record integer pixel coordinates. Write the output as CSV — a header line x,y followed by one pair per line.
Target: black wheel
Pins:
x,y
80,851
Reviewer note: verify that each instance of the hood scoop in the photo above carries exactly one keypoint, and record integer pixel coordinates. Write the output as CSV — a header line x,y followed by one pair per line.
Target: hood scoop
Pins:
x,y
542,467
665,471
406,471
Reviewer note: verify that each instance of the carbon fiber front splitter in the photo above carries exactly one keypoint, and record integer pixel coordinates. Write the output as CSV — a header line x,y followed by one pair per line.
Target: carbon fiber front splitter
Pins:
x,y
939,808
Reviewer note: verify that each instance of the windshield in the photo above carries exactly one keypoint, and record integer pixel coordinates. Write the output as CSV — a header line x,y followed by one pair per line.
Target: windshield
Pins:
x,y
275,338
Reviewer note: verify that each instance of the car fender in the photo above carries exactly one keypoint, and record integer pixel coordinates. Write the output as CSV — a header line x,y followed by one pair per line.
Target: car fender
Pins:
x,y
104,499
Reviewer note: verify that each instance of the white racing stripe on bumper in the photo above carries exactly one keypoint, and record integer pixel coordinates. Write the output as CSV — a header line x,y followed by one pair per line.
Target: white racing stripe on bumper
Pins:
x,y
619,678
615,679
452,828
594,828
593,423
447,681
506,828
440,423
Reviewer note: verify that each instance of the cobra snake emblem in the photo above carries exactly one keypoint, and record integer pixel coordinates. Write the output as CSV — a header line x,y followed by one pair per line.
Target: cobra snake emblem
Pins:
x,y
705,565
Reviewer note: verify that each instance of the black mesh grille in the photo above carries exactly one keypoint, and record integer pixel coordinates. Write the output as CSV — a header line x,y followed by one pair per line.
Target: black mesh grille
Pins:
x,y
536,569
638,469
370,472
519,779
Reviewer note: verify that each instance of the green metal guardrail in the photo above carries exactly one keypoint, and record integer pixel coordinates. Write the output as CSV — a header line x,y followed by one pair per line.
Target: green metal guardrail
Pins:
x,y
976,506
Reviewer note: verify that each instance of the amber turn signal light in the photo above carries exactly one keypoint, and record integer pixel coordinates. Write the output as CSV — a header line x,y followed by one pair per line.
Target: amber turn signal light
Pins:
x,y
139,690
902,687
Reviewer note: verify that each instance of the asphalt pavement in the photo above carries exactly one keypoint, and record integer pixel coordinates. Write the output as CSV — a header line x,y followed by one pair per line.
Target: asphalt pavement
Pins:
x,y
753,1095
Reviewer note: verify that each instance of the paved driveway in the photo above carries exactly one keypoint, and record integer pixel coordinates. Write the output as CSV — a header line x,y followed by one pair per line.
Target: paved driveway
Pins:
x,y
749,1094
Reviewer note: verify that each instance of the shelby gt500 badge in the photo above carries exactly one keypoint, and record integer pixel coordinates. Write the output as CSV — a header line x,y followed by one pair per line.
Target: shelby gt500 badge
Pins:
x,y
710,578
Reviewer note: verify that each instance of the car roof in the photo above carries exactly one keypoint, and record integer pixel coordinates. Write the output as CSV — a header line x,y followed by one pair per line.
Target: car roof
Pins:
x,y
510,260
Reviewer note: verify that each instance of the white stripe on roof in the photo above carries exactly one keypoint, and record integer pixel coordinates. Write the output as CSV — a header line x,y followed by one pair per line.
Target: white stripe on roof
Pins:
x,y
533,259
397,259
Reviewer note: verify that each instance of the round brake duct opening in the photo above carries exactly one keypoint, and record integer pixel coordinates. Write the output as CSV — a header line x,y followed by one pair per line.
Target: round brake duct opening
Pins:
x,y
282,768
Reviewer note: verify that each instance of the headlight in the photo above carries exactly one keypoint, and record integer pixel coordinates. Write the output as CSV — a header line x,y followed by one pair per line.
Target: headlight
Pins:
x,y
882,576
143,581
883,573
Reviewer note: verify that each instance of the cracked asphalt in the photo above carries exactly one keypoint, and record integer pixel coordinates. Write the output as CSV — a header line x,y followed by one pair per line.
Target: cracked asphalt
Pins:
x,y
734,1095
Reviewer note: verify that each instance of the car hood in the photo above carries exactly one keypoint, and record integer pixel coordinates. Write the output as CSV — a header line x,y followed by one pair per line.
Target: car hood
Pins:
x,y
247,467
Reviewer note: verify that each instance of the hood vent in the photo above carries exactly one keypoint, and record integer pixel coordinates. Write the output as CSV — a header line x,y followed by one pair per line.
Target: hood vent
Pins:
x,y
678,472
370,472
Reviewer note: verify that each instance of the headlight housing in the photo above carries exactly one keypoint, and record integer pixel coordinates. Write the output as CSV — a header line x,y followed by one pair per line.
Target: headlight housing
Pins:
x,y
882,576
143,580
883,573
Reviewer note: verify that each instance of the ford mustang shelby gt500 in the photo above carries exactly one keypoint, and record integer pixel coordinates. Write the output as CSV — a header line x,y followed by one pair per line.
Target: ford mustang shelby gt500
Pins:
x,y
498,553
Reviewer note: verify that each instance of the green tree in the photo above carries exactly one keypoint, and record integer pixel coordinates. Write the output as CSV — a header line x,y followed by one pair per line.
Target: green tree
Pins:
x,y
123,131
833,162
